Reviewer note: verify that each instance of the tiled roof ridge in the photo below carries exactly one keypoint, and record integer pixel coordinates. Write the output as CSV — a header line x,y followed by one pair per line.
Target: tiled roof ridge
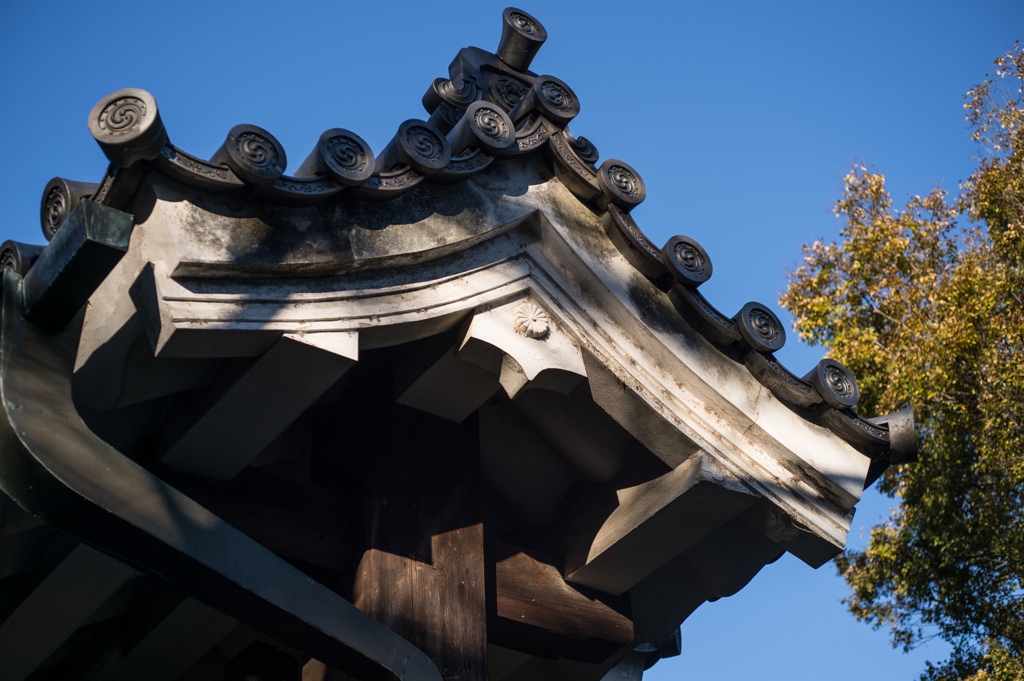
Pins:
x,y
492,107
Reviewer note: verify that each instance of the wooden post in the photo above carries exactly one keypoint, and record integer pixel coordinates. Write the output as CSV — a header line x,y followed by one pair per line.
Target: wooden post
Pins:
x,y
422,575
422,571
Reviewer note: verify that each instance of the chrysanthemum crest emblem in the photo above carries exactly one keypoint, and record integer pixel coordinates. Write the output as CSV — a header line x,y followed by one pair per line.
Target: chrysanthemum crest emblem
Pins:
x,y
530,320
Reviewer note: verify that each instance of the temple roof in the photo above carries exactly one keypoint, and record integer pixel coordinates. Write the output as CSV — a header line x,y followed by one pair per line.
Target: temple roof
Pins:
x,y
490,110
188,315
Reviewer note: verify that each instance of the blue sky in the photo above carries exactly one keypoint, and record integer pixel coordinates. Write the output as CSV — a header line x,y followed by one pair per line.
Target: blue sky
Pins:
x,y
742,118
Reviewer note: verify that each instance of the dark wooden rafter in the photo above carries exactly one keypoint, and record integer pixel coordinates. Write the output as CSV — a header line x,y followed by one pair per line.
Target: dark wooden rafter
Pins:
x,y
220,431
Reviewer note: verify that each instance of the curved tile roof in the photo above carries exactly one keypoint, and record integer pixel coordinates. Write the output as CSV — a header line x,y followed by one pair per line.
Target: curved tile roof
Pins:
x,y
490,109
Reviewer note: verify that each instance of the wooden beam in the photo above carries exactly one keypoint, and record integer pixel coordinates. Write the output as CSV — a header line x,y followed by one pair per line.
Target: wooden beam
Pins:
x,y
82,253
58,606
244,410
163,639
519,343
624,536
531,609
717,566
429,377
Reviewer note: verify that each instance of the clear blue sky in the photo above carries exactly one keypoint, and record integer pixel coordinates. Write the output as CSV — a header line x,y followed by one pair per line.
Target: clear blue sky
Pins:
x,y
741,117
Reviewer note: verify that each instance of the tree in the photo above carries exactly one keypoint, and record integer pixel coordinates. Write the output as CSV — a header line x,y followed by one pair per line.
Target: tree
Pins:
x,y
926,306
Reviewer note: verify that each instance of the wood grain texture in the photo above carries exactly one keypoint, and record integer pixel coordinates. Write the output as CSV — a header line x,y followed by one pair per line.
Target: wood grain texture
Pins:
x,y
422,571
532,609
